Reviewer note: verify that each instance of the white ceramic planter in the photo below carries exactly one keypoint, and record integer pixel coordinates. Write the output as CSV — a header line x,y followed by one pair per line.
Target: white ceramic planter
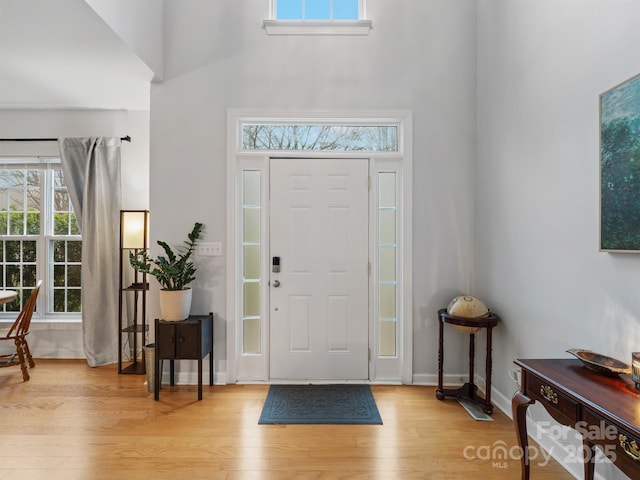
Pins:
x,y
175,305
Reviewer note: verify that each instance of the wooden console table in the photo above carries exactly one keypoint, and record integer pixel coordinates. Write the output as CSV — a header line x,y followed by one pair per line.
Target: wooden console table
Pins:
x,y
190,339
605,410
468,390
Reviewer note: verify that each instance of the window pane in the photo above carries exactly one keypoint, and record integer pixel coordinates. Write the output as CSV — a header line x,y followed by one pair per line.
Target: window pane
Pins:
x,y
73,276
317,137
16,195
29,251
58,251
59,279
60,223
73,300
317,10
64,221
74,251
289,9
387,301
251,336
251,188
58,301
251,299
251,262
29,275
16,223
33,223
387,227
75,230
13,276
387,264
387,346
345,10
251,225
387,189
13,251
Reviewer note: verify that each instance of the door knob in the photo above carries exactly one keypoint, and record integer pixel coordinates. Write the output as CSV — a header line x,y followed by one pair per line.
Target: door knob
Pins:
x,y
276,283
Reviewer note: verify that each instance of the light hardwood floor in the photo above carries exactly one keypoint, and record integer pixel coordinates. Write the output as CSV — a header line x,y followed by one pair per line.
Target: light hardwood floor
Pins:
x,y
74,422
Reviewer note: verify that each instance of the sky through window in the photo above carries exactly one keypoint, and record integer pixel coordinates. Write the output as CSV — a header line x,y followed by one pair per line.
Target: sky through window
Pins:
x,y
317,9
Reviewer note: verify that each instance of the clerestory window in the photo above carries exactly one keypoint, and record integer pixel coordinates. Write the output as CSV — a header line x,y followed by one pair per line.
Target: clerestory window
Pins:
x,y
39,237
317,9
317,17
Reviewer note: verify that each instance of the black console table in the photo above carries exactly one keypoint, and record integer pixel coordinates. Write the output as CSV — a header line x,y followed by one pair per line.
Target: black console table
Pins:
x,y
189,339
468,390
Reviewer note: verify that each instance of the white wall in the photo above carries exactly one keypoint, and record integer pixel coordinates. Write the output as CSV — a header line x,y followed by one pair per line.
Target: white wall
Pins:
x,y
419,56
541,68
139,23
62,339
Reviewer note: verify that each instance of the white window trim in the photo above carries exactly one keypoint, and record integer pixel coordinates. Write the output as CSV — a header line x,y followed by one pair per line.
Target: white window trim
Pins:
x,y
41,315
273,26
254,368
317,27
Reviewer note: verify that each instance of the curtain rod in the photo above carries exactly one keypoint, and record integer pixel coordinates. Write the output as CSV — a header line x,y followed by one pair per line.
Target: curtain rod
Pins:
x,y
124,139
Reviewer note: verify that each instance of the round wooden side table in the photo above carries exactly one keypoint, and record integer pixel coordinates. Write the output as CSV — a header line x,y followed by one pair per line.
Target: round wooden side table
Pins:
x,y
469,390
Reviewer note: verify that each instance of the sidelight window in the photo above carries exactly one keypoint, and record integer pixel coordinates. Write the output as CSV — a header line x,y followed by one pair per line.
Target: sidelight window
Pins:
x,y
251,215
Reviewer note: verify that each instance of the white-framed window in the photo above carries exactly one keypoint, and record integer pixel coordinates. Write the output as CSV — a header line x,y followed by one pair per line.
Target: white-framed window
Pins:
x,y
317,17
317,9
39,238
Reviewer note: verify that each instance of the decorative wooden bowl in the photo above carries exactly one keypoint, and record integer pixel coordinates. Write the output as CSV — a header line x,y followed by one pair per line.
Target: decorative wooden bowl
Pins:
x,y
600,363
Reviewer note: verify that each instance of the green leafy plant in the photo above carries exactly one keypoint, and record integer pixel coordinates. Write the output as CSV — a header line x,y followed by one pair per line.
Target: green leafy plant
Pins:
x,y
173,271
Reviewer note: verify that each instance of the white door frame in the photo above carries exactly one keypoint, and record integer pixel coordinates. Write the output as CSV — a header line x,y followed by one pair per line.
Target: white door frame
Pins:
x,y
254,367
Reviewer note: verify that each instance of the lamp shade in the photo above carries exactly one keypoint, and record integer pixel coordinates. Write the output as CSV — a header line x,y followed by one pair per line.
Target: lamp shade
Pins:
x,y
134,228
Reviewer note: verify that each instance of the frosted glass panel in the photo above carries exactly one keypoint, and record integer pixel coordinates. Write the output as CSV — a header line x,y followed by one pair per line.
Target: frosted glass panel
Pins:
x,y
251,245
387,347
251,187
387,227
387,264
251,225
387,301
251,299
387,189
251,262
251,338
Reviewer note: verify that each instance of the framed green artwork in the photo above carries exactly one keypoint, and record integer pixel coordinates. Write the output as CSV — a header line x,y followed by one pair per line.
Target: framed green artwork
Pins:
x,y
620,168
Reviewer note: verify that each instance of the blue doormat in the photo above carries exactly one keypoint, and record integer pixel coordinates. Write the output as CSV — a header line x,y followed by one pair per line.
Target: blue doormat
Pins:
x,y
320,404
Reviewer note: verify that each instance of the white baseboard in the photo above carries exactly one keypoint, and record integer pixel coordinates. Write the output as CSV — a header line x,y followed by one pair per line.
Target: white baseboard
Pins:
x,y
562,452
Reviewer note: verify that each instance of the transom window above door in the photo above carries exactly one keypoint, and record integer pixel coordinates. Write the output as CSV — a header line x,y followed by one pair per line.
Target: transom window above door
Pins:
x,y
317,17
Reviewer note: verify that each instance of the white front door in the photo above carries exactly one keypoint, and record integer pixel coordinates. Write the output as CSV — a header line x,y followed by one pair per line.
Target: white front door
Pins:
x,y
319,318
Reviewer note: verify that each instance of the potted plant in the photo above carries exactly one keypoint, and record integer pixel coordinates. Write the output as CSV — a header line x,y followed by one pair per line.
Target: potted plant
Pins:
x,y
174,272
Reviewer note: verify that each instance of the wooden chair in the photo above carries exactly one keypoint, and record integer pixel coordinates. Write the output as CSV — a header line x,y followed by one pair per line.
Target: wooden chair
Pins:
x,y
18,333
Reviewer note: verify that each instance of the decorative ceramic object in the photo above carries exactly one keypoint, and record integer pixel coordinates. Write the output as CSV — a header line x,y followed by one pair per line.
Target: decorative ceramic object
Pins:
x,y
175,305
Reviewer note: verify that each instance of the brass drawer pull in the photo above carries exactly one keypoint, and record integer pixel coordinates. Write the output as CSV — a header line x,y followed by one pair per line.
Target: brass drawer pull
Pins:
x,y
548,394
630,447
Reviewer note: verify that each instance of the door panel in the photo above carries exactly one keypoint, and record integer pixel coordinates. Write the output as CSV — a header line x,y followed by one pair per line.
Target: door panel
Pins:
x,y
319,229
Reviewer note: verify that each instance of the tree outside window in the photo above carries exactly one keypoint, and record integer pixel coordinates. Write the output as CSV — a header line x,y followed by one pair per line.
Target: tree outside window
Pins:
x,y
39,237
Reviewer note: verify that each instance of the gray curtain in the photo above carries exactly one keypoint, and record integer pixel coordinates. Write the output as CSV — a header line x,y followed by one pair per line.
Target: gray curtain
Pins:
x,y
91,168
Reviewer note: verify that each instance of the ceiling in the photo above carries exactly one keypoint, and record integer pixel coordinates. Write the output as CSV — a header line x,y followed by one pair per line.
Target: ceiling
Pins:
x,y
61,55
